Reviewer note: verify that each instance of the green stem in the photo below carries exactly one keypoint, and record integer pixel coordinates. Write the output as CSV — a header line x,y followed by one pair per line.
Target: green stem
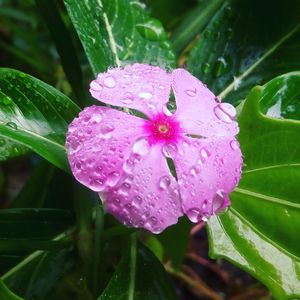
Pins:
x,y
99,225
133,250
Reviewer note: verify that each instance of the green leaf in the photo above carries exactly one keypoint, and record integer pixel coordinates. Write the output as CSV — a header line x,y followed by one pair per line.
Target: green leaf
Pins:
x,y
34,191
152,281
194,22
247,43
33,223
63,43
35,115
119,32
175,240
259,232
35,279
6,294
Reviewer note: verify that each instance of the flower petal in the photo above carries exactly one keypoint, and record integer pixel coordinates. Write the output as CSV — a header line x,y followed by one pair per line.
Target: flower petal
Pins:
x,y
147,196
198,108
98,143
142,87
207,170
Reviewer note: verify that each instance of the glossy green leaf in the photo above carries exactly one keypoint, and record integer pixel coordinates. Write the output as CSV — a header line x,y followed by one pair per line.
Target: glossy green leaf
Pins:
x,y
6,294
151,280
35,279
259,232
119,32
64,44
35,115
193,23
247,43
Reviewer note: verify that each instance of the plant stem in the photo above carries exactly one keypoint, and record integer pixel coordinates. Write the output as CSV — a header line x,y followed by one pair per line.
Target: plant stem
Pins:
x,y
133,248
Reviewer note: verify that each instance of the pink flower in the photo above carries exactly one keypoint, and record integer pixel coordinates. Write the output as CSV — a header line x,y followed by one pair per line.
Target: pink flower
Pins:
x,y
124,157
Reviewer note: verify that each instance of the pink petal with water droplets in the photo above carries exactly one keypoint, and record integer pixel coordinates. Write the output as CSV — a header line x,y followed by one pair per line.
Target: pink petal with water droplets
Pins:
x,y
98,143
208,170
147,196
142,87
198,108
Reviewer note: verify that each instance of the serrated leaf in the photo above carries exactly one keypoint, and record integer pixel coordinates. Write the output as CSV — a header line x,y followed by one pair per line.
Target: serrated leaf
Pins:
x,y
35,115
247,43
259,232
119,32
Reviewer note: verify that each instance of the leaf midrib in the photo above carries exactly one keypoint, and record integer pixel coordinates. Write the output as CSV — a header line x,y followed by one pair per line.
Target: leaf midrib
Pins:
x,y
266,197
247,72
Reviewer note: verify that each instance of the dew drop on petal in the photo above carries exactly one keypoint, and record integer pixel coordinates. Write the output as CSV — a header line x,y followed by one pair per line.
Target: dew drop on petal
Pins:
x,y
145,95
124,189
141,146
128,98
225,112
218,200
191,93
169,149
194,215
112,179
109,82
107,129
164,182
96,86
234,144
137,200
128,166
195,170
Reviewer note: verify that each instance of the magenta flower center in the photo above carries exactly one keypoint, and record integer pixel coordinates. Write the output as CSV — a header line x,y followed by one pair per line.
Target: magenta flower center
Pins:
x,y
163,129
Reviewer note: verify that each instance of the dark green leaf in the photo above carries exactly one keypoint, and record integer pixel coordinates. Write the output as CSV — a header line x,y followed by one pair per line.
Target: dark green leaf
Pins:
x,y
63,43
34,192
33,223
119,32
259,231
175,239
35,279
152,281
6,294
35,115
247,43
193,23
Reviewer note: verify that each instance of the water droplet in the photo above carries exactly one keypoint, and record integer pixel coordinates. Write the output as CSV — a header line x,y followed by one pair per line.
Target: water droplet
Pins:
x,y
164,182
2,142
218,201
7,101
207,34
109,82
127,98
128,166
169,149
145,95
194,215
106,130
220,67
205,68
195,170
137,200
12,125
234,144
112,178
124,189
97,184
96,86
204,154
141,146
225,112
153,220
191,93
151,30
